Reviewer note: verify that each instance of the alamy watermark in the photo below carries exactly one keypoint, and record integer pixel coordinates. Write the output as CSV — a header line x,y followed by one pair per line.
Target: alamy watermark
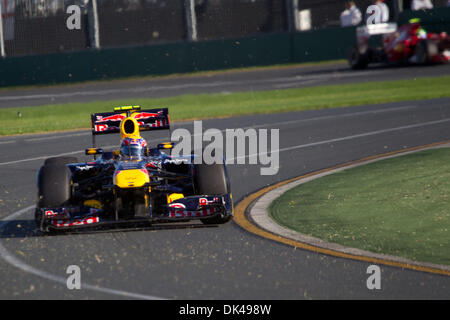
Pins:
x,y
73,22
374,280
74,278
230,146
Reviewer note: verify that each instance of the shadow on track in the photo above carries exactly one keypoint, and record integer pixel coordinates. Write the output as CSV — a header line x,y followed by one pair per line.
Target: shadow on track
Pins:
x,y
27,229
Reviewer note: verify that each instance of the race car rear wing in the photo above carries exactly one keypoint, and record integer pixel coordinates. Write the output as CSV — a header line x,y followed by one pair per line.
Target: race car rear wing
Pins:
x,y
148,120
375,29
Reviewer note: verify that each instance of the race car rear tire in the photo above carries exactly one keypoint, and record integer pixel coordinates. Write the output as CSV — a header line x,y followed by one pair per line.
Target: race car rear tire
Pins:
x,y
358,60
426,49
212,180
60,160
54,186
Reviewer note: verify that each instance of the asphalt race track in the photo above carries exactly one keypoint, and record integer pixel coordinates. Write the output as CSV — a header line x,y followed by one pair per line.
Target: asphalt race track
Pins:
x,y
191,261
264,79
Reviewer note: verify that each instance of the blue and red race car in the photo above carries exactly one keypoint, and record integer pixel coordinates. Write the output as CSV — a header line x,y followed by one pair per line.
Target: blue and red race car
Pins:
x,y
135,183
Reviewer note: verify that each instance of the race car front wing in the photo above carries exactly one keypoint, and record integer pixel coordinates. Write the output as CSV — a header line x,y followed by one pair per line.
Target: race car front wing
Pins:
x,y
188,208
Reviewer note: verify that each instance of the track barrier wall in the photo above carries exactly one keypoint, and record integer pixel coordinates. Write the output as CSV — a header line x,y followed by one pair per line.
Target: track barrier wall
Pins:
x,y
146,60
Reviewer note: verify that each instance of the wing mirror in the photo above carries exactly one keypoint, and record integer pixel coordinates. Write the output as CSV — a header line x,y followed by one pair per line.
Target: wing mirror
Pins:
x,y
93,151
166,145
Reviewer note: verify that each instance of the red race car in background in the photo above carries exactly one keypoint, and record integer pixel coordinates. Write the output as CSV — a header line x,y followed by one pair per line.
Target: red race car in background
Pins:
x,y
409,44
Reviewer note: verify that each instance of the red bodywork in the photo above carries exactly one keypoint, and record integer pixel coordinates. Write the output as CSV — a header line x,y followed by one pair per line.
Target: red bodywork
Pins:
x,y
401,45
386,43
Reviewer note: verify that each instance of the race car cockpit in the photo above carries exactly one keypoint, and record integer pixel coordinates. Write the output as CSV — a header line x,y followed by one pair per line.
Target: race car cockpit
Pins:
x,y
132,149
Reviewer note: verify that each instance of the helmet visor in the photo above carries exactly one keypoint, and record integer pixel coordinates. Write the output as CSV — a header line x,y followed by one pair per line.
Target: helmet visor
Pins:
x,y
133,152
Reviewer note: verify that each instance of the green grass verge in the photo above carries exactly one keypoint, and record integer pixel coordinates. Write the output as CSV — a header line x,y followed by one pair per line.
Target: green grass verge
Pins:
x,y
203,106
397,206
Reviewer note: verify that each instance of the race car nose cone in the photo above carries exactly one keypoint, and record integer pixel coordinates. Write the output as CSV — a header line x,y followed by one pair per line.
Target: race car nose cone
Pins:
x,y
134,178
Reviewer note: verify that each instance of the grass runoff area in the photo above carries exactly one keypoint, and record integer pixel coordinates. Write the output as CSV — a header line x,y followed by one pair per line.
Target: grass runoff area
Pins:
x,y
397,206
203,106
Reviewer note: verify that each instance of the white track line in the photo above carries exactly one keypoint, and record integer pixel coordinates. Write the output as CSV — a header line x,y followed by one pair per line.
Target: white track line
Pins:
x,y
42,157
14,261
6,142
355,136
371,133
333,116
78,134
212,84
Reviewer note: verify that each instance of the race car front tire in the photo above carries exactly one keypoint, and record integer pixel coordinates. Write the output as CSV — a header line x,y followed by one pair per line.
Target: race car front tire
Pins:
x,y
54,186
212,179
60,160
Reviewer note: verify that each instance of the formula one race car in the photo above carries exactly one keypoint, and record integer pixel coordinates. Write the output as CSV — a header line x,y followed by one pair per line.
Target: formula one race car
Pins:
x,y
135,183
408,44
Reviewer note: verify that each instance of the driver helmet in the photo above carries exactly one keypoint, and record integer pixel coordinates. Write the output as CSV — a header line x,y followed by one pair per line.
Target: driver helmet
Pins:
x,y
418,30
133,149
